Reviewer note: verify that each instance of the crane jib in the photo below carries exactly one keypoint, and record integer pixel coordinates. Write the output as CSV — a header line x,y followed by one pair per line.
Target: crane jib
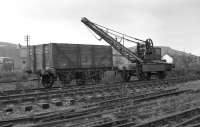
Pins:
x,y
110,40
85,20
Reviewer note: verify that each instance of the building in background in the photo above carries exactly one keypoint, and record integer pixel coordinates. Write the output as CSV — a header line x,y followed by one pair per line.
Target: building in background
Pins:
x,y
6,64
168,58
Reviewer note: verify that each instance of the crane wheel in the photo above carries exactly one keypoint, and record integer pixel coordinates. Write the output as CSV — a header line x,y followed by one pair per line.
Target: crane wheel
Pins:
x,y
47,80
125,76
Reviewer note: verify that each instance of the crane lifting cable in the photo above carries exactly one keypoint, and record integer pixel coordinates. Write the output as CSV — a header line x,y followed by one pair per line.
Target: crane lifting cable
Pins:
x,y
103,32
94,34
114,32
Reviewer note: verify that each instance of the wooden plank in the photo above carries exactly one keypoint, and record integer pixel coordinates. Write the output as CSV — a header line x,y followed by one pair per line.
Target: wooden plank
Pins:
x,y
78,56
51,55
86,56
34,59
103,56
47,55
64,56
93,56
43,58
38,57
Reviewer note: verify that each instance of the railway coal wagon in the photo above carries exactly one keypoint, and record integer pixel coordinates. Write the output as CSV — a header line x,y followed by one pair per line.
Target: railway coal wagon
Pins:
x,y
68,62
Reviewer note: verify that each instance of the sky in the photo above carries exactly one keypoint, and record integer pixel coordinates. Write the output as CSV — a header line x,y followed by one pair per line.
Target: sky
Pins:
x,y
172,23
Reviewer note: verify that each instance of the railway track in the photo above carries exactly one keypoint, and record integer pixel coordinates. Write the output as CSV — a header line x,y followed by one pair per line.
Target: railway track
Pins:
x,y
136,117
171,120
194,121
186,118
24,91
37,100
70,87
180,119
126,114
93,109
10,94
26,100
85,94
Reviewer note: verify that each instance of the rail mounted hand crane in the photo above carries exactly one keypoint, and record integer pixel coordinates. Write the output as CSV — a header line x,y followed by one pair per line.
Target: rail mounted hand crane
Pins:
x,y
147,58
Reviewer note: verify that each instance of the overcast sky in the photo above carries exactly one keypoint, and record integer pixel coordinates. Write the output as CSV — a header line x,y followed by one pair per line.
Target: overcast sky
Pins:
x,y
173,23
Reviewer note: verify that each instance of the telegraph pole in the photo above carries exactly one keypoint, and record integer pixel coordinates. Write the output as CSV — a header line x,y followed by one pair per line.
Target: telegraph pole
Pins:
x,y
27,40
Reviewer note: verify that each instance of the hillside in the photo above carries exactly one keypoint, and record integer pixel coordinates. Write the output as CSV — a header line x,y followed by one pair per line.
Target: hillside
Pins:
x,y
7,44
182,60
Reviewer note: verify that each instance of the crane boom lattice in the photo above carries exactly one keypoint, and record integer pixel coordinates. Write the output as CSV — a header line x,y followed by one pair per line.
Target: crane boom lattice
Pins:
x,y
104,34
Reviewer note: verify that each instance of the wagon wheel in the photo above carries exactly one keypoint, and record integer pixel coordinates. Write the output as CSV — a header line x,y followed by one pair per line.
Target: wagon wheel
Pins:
x,y
98,77
80,81
144,76
140,76
148,75
47,80
126,76
65,78
161,75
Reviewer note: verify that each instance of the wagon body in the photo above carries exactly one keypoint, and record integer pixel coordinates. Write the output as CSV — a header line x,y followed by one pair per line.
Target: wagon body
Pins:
x,y
62,56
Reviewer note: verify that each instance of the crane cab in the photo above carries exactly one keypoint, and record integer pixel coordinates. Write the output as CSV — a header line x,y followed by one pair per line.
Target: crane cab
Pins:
x,y
155,55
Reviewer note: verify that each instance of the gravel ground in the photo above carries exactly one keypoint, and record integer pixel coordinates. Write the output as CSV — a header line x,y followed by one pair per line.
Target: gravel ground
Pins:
x,y
194,85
